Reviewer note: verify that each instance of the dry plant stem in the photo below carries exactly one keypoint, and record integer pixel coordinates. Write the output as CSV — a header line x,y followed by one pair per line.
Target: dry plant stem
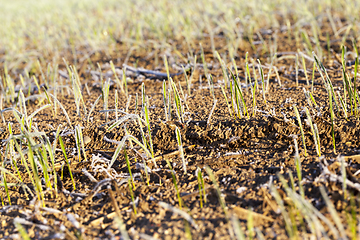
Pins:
x,y
211,112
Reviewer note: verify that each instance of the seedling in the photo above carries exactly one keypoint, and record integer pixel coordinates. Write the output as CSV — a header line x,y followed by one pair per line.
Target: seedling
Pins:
x,y
175,184
79,142
67,161
262,80
301,128
218,191
181,149
132,195
315,135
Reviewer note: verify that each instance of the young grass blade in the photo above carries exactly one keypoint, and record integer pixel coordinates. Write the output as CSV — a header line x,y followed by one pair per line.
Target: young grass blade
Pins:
x,y
175,184
129,168
188,82
62,107
181,149
226,100
132,196
305,71
333,212
92,108
332,122
67,161
298,168
262,80
206,71
221,200
223,68
164,99
238,89
116,77
301,128
316,141
237,228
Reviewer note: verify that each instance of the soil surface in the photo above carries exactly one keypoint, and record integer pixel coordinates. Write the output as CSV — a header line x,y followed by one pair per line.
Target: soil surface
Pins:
x,y
247,153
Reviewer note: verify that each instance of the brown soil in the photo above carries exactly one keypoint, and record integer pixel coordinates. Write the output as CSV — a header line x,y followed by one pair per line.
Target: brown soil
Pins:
x,y
245,154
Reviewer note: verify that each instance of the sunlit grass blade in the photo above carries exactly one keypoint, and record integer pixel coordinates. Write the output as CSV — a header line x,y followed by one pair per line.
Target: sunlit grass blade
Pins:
x,y
66,160
175,184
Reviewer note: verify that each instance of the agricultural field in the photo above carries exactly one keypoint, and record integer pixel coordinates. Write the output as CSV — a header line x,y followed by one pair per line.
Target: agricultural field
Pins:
x,y
180,119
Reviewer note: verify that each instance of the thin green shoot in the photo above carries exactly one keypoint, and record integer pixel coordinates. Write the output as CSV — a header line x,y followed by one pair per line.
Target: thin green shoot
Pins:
x,y
316,141
147,119
239,96
192,74
177,101
167,67
125,82
37,84
116,105
187,230
304,68
211,85
38,187
43,160
218,191
116,77
239,234
313,77
332,122
352,219
132,196
181,149
121,145
5,186
277,75
250,225
297,69
298,169
223,68
227,102
269,73
183,95
129,168
105,93
254,98
122,228
301,128
24,235
343,105
164,99
262,80
343,175
284,213
175,184
67,161
52,158
327,82
136,103
80,141
247,70
92,108
24,162
206,71
53,110
333,212
64,111
188,82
